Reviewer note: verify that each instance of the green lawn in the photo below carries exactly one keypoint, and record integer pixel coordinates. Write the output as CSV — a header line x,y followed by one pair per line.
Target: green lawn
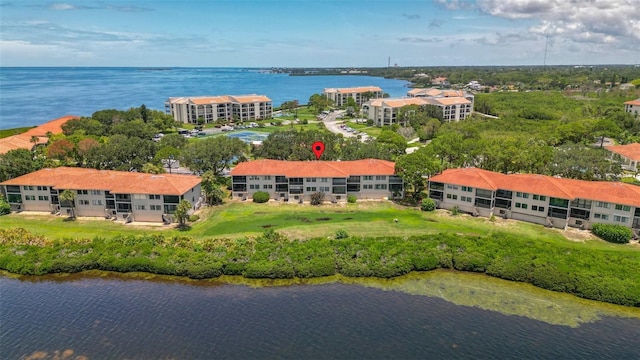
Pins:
x,y
373,131
240,219
10,132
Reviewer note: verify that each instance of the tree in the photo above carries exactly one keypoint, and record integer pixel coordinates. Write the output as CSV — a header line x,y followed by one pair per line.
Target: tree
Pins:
x,y
182,212
211,188
174,140
414,168
121,153
291,107
605,127
60,149
319,103
68,198
5,207
144,113
16,163
168,156
394,142
150,168
215,154
135,128
34,140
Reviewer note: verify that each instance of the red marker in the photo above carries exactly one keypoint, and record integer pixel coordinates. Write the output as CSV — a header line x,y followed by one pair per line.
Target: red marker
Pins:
x,y
318,149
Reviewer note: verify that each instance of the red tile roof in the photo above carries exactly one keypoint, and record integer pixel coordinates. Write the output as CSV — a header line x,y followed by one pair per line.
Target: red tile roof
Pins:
x,y
635,102
314,168
23,141
116,182
615,192
630,151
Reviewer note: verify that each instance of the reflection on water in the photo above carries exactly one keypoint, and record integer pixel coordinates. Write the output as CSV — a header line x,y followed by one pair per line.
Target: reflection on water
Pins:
x,y
107,315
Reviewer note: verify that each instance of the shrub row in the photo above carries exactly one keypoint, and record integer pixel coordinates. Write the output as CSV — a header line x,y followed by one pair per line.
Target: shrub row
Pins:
x,y
612,233
610,276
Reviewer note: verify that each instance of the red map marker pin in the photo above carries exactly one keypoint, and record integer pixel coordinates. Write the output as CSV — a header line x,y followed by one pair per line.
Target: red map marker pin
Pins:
x,y
318,149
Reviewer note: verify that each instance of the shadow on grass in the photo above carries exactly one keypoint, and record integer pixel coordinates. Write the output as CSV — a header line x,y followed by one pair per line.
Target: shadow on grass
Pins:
x,y
183,227
67,219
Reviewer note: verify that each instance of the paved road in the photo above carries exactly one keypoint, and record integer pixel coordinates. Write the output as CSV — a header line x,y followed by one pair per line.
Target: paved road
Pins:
x,y
332,122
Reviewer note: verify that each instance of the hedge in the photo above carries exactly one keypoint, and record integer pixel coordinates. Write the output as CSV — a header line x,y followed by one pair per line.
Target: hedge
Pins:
x,y
612,233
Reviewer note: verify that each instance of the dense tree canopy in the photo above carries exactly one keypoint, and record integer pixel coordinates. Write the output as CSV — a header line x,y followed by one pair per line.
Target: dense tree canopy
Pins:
x,y
214,154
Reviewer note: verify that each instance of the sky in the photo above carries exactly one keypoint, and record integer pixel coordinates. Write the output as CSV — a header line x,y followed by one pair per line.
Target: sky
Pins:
x,y
320,33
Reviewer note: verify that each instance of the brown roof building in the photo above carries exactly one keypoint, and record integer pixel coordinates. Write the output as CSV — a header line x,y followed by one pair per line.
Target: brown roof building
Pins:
x,y
226,107
536,198
630,155
39,133
297,180
113,194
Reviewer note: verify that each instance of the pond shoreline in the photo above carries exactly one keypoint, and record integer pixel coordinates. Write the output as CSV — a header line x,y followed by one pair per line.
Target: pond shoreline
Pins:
x,y
606,276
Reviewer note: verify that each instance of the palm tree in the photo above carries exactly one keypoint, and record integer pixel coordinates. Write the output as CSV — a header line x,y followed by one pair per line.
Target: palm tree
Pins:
x,y
34,140
69,196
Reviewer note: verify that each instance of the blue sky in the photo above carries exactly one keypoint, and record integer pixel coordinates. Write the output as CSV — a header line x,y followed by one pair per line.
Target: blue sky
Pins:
x,y
346,33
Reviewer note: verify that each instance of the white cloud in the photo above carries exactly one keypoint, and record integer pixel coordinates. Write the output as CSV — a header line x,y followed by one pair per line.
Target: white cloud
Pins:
x,y
574,20
61,6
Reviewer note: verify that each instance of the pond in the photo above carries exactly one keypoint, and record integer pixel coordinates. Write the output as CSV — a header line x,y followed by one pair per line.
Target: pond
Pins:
x,y
440,314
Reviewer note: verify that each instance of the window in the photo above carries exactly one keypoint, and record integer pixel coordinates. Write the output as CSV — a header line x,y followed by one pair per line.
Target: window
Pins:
x,y
43,198
581,203
254,186
601,216
381,177
29,197
96,192
367,186
465,198
467,189
623,207
325,188
311,179
269,186
267,177
324,179
543,198
525,195
604,205
155,207
28,187
140,207
541,208
519,194
535,197
452,187
452,196
311,188
367,177
381,186
83,202
42,188
559,202
621,219
524,206
253,177
534,207
518,205
140,196
82,192
154,197
96,202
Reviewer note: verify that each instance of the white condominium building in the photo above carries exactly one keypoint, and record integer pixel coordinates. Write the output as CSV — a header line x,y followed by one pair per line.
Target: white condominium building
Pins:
x,y
384,111
111,194
212,108
359,94
298,180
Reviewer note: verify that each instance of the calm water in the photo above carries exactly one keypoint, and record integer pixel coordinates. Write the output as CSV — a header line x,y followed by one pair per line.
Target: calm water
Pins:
x,y
31,96
107,316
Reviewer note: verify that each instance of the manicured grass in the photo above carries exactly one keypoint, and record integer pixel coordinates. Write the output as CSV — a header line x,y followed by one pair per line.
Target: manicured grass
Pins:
x,y
372,131
15,131
363,219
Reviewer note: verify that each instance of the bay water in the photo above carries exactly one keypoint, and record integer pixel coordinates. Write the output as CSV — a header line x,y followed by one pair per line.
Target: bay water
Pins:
x,y
32,96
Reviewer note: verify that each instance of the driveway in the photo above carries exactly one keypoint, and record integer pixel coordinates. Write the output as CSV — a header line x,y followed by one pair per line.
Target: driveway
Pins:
x,y
332,122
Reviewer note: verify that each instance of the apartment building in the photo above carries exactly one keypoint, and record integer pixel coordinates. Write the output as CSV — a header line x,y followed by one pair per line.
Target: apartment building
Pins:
x,y
630,155
226,107
297,180
385,111
633,107
361,94
103,193
539,199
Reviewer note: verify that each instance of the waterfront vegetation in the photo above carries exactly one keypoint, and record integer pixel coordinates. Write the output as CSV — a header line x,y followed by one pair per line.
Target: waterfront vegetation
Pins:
x,y
15,131
286,241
